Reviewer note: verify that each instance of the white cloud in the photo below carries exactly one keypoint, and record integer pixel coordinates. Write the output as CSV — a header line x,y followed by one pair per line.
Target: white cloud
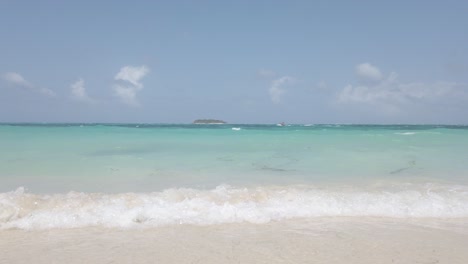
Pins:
x,y
389,93
17,79
368,72
78,91
277,88
132,75
127,94
130,78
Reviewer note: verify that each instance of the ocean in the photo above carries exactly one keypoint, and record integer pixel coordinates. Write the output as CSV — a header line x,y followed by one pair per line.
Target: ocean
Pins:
x,y
116,178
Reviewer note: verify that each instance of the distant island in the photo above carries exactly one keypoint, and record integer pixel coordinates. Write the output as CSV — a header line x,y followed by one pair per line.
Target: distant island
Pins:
x,y
209,121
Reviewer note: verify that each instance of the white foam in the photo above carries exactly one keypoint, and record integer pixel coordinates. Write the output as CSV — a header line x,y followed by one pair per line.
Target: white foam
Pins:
x,y
236,128
226,204
405,133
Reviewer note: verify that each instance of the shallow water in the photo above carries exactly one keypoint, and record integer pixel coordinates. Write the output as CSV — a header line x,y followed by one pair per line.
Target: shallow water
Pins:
x,y
122,175
116,158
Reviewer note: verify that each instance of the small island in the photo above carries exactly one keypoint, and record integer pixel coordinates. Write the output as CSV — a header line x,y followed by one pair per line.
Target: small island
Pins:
x,y
209,121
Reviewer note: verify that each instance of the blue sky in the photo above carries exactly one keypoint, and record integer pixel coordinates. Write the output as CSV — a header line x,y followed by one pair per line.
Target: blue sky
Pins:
x,y
240,61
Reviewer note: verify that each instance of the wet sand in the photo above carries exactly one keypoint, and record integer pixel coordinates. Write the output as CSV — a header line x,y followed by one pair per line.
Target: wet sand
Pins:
x,y
320,241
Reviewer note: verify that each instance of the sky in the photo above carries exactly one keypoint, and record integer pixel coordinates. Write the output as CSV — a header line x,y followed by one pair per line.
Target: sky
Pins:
x,y
239,61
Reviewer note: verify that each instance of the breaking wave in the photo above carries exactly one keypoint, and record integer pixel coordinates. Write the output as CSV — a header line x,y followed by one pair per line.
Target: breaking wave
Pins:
x,y
225,204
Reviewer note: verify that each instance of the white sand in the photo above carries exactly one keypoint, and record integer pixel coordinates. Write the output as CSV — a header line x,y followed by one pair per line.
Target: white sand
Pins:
x,y
326,240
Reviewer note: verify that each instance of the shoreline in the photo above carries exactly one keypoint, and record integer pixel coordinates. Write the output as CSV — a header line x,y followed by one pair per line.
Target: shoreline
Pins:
x,y
326,240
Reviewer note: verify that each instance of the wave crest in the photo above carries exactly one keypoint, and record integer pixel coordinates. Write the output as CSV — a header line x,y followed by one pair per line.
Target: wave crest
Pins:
x,y
226,204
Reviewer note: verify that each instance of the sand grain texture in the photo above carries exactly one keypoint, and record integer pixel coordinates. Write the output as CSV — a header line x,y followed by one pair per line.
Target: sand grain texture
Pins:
x,y
333,241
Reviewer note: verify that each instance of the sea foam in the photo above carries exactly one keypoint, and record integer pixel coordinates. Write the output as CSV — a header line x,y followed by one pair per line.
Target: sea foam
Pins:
x,y
405,133
225,204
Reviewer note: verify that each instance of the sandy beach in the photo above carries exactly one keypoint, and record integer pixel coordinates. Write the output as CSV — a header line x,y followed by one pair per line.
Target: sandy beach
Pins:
x,y
326,240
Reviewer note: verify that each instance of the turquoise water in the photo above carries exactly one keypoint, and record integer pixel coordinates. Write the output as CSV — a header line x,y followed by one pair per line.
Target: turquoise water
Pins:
x,y
150,157
260,171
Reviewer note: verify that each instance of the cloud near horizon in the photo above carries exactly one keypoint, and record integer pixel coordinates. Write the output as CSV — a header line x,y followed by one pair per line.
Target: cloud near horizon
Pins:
x,y
79,93
129,78
389,94
277,88
16,79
